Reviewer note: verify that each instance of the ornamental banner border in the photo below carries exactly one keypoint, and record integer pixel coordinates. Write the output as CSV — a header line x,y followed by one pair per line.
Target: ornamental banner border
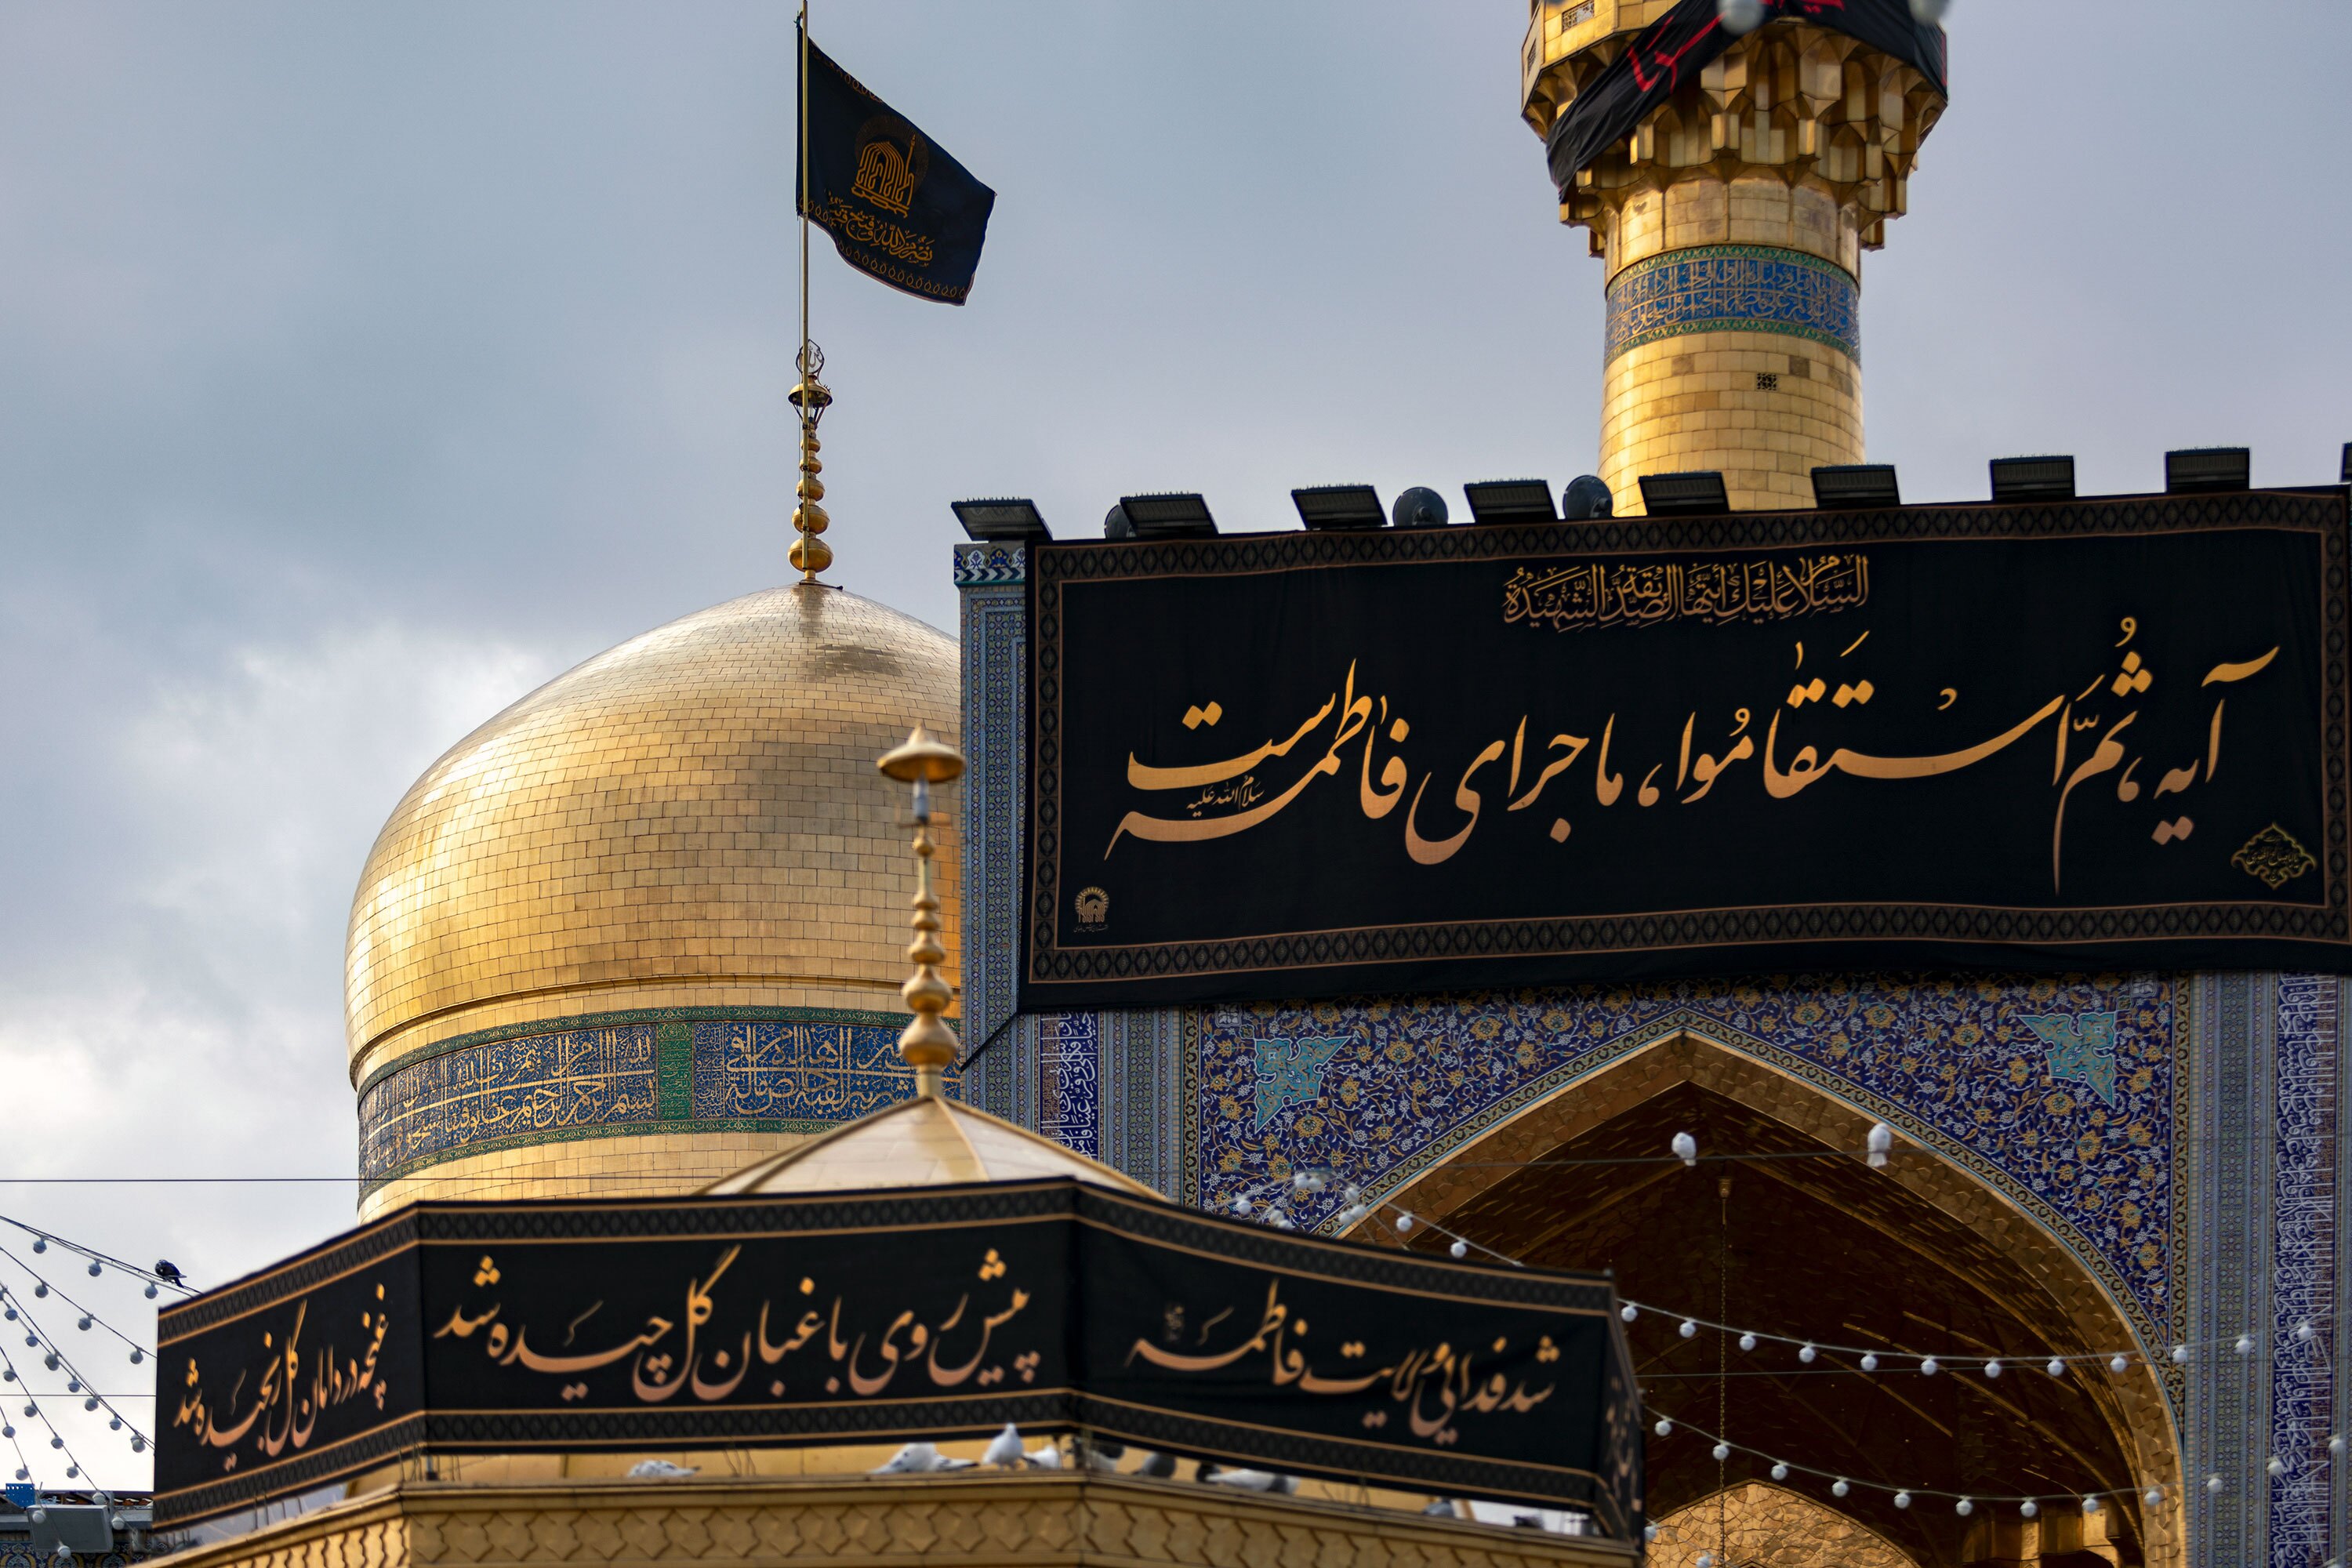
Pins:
x,y
1438,954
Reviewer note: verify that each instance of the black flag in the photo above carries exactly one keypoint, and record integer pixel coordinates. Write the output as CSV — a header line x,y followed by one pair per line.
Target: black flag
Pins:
x,y
898,206
1684,42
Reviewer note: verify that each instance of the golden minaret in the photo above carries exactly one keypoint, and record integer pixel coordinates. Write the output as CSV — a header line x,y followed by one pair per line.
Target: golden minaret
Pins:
x,y
1732,223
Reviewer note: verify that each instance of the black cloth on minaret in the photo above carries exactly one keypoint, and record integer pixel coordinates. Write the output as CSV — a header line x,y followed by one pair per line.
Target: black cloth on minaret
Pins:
x,y
898,206
1674,48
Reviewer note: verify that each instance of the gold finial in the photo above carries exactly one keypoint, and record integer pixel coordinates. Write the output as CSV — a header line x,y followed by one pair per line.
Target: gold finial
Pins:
x,y
811,396
929,1044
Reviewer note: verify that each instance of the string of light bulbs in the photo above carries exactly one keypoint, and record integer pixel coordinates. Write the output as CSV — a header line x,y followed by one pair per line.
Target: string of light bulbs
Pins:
x,y
54,1357
9,1427
18,1311
2028,1505
1685,1149
84,1318
33,1412
1867,1357
161,1276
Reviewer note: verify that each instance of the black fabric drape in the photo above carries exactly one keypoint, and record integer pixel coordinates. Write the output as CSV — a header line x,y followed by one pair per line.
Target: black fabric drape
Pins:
x,y
1678,46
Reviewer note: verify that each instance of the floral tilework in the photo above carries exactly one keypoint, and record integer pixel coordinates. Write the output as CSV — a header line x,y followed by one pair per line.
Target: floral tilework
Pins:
x,y
1954,1063
2304,1269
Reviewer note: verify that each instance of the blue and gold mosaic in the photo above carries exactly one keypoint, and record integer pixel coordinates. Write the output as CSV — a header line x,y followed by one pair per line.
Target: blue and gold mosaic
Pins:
x,y
783,1069
2073,1119
1734,288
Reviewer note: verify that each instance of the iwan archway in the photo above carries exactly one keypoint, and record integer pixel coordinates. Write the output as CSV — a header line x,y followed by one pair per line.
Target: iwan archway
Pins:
x,y
1786,1230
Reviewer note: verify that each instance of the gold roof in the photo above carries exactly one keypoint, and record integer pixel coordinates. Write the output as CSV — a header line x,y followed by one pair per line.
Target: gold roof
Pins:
x,y
691,817
927,1141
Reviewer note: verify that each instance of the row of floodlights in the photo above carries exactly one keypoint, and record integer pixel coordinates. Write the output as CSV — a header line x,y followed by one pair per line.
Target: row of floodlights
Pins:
x,y
1847,486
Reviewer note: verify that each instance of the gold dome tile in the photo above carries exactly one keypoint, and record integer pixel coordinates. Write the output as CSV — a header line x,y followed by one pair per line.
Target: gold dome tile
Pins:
x,y
697,808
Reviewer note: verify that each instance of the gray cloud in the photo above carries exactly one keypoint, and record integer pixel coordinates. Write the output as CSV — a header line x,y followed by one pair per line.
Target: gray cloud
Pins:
x,y
360,367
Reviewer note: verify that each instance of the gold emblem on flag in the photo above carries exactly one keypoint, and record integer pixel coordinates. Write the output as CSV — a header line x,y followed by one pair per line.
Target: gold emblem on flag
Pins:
x,y
891,161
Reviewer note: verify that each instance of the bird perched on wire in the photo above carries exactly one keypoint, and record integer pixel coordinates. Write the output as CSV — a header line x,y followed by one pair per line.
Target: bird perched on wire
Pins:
x,y
168,1271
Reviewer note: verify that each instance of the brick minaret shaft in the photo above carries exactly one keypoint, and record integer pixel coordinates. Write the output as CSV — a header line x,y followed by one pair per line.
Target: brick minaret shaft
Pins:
x,y
1732,224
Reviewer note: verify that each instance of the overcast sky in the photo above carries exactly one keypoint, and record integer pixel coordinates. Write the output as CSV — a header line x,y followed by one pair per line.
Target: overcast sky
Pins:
x,y
361,366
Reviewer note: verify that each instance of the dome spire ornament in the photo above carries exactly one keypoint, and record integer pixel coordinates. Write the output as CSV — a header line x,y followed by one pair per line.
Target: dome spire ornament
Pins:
x,y
811,398
810,553
929,1044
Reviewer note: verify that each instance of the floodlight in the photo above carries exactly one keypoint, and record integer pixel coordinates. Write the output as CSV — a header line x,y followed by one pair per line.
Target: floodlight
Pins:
x,y
1168,515
2208,468
1339,506
1856,485
2032,478
1009,520
1698,493
1511,501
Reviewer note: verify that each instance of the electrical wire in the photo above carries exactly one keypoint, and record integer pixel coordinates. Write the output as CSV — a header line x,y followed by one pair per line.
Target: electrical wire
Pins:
x,y
34,1411
58,1291
2307,1331
80,1383
41,1237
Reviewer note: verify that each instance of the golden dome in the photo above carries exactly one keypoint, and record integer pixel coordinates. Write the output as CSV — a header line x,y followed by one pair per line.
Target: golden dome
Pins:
x,y
647,924
922,1142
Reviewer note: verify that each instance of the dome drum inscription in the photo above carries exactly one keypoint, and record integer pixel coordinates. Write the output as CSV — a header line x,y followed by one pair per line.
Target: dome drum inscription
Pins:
x,y
683,836
798,1070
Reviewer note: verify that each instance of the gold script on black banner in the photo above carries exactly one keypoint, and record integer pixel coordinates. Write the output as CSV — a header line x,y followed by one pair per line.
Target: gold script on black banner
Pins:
x,y
2016,738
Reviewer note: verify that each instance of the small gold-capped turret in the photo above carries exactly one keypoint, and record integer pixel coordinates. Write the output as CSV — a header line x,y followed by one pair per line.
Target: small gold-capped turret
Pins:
x,y
930,1044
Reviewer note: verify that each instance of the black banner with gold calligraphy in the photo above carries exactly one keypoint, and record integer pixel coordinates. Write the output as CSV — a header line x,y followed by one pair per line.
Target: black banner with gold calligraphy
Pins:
x,y
937,1314
899,206
2097,735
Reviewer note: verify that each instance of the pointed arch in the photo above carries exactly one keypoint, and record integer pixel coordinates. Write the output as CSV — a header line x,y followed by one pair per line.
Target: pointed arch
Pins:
x,y
1928,1211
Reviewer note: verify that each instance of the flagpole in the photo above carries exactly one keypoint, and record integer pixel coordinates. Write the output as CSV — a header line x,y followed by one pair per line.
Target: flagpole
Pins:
x,y
808,553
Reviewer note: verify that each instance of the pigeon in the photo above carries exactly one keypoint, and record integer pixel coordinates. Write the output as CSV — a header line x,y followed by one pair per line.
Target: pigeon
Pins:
x,y
1048,1458
168,1271
1249,1480
661,1471
1004,1449
918,1459
1441,1508
1096,1455
1159,1466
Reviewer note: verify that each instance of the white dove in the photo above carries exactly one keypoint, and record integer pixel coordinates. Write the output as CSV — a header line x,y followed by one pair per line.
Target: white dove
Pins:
x,y
661,1471
918,1459
1004,1449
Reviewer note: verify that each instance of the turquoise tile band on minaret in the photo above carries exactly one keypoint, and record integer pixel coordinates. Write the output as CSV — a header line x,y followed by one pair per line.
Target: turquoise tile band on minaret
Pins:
x,y
1734,288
